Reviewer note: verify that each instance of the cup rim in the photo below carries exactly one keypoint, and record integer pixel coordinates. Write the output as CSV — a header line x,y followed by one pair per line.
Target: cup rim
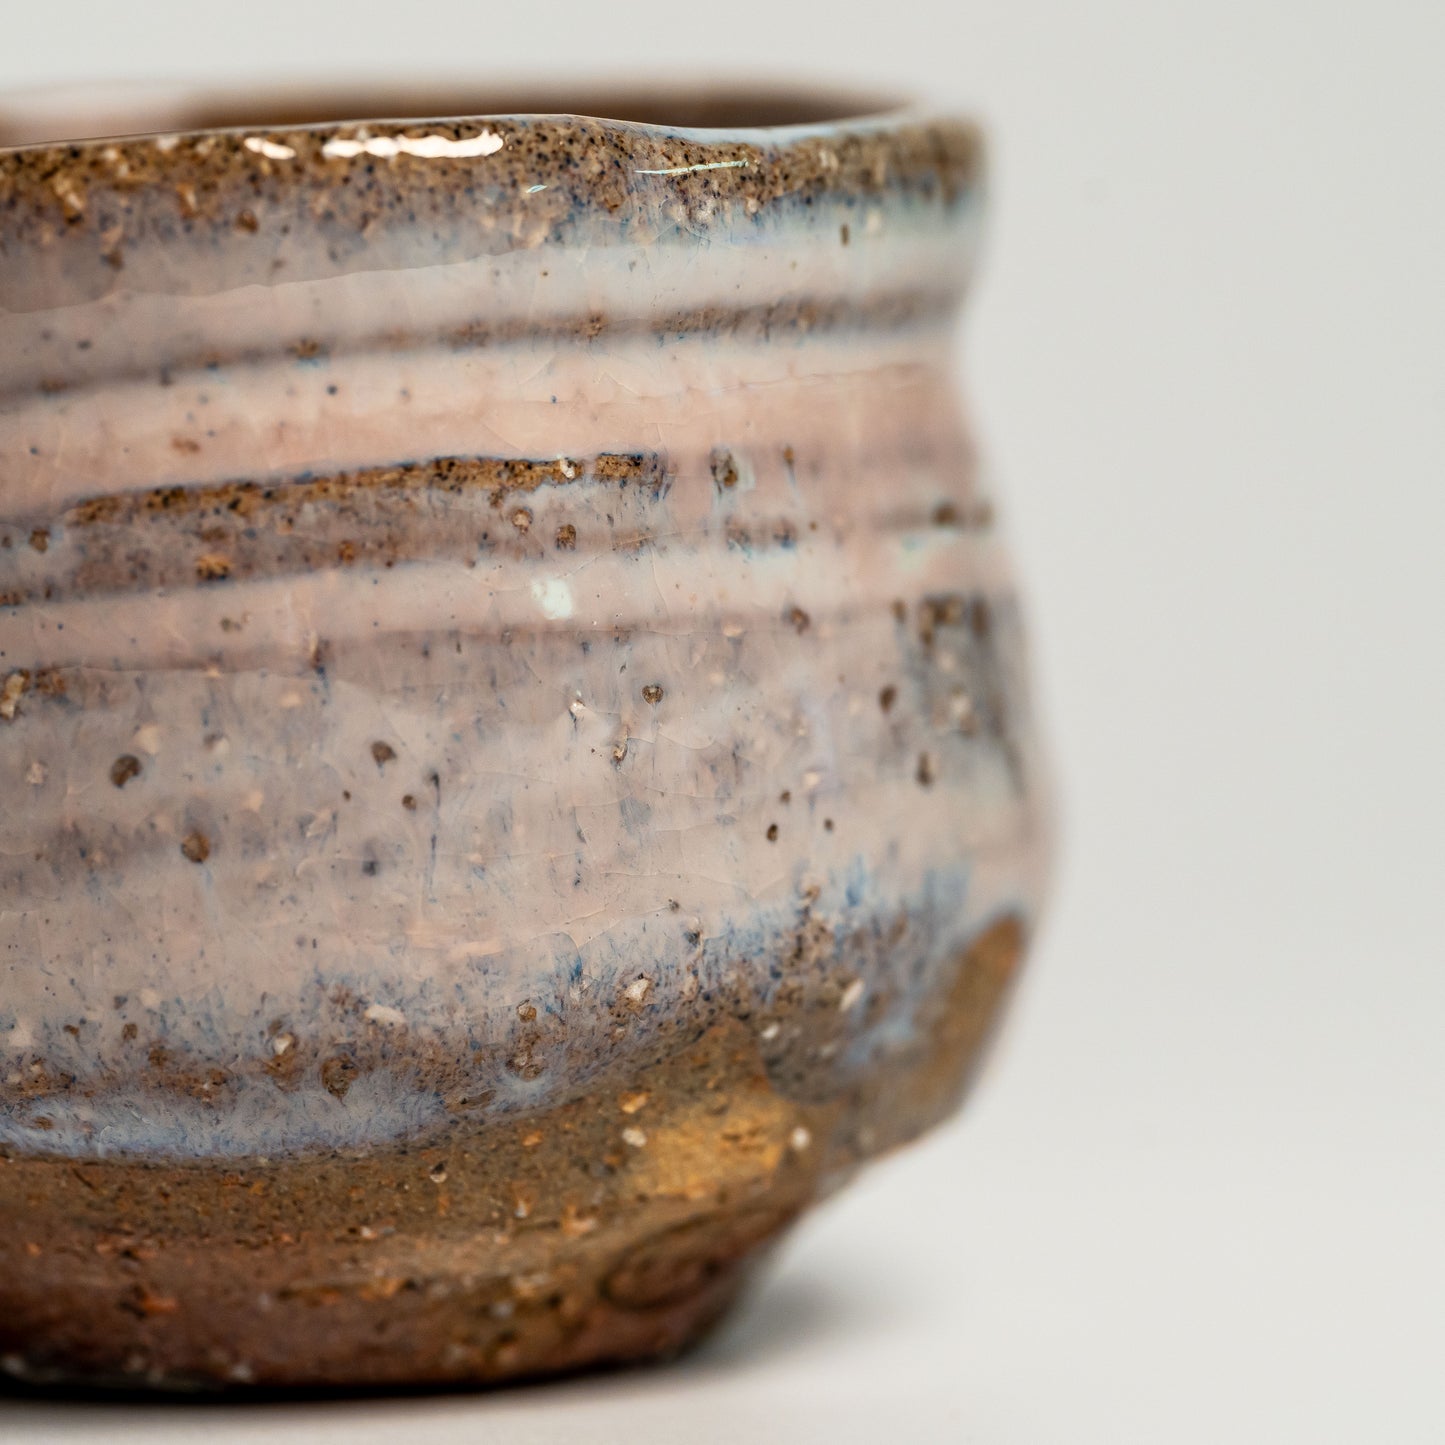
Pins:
x,y
177,210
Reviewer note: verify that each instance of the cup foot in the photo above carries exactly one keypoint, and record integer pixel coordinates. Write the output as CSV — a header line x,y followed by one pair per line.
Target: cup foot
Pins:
x,y
607,1231
212,1337
611,1229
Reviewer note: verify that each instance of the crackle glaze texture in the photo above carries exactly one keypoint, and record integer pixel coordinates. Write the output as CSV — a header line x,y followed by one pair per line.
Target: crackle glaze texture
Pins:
x,y
516,773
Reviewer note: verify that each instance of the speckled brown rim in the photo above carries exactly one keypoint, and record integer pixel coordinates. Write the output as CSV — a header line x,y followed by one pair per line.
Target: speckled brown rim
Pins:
x,y
776,144
785,153
206,208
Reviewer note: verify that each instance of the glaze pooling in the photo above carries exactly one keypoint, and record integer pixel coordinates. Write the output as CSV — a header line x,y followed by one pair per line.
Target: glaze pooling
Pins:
x,y
496,616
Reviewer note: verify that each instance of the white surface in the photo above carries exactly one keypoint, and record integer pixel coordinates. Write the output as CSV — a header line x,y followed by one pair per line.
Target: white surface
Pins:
x,y
1201,1196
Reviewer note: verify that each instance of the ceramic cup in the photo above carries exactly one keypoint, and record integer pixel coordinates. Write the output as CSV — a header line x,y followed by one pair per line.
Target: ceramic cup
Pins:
x,y
516,763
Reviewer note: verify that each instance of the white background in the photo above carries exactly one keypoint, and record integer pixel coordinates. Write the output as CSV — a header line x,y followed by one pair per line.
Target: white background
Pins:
x,y
1201,1194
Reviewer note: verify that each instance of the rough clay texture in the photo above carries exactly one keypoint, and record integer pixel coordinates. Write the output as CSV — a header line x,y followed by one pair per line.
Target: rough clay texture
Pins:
x,y
517,762
610,1230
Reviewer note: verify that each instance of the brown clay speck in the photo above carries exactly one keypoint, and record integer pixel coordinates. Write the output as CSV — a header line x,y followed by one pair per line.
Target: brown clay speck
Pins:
x,y
522,519
827,825
338,1073
124,768
408,802
382,753
843,234
212,567
925,771
40,539
887,698
196,847
147,1302
772,833
652,693
800,620
567,537
724,469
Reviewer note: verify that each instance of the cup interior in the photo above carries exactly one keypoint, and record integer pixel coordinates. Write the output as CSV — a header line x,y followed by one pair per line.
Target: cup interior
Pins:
x,y
73,115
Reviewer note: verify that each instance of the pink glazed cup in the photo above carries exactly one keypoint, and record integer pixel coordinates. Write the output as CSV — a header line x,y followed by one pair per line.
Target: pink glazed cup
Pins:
x,y
517,767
